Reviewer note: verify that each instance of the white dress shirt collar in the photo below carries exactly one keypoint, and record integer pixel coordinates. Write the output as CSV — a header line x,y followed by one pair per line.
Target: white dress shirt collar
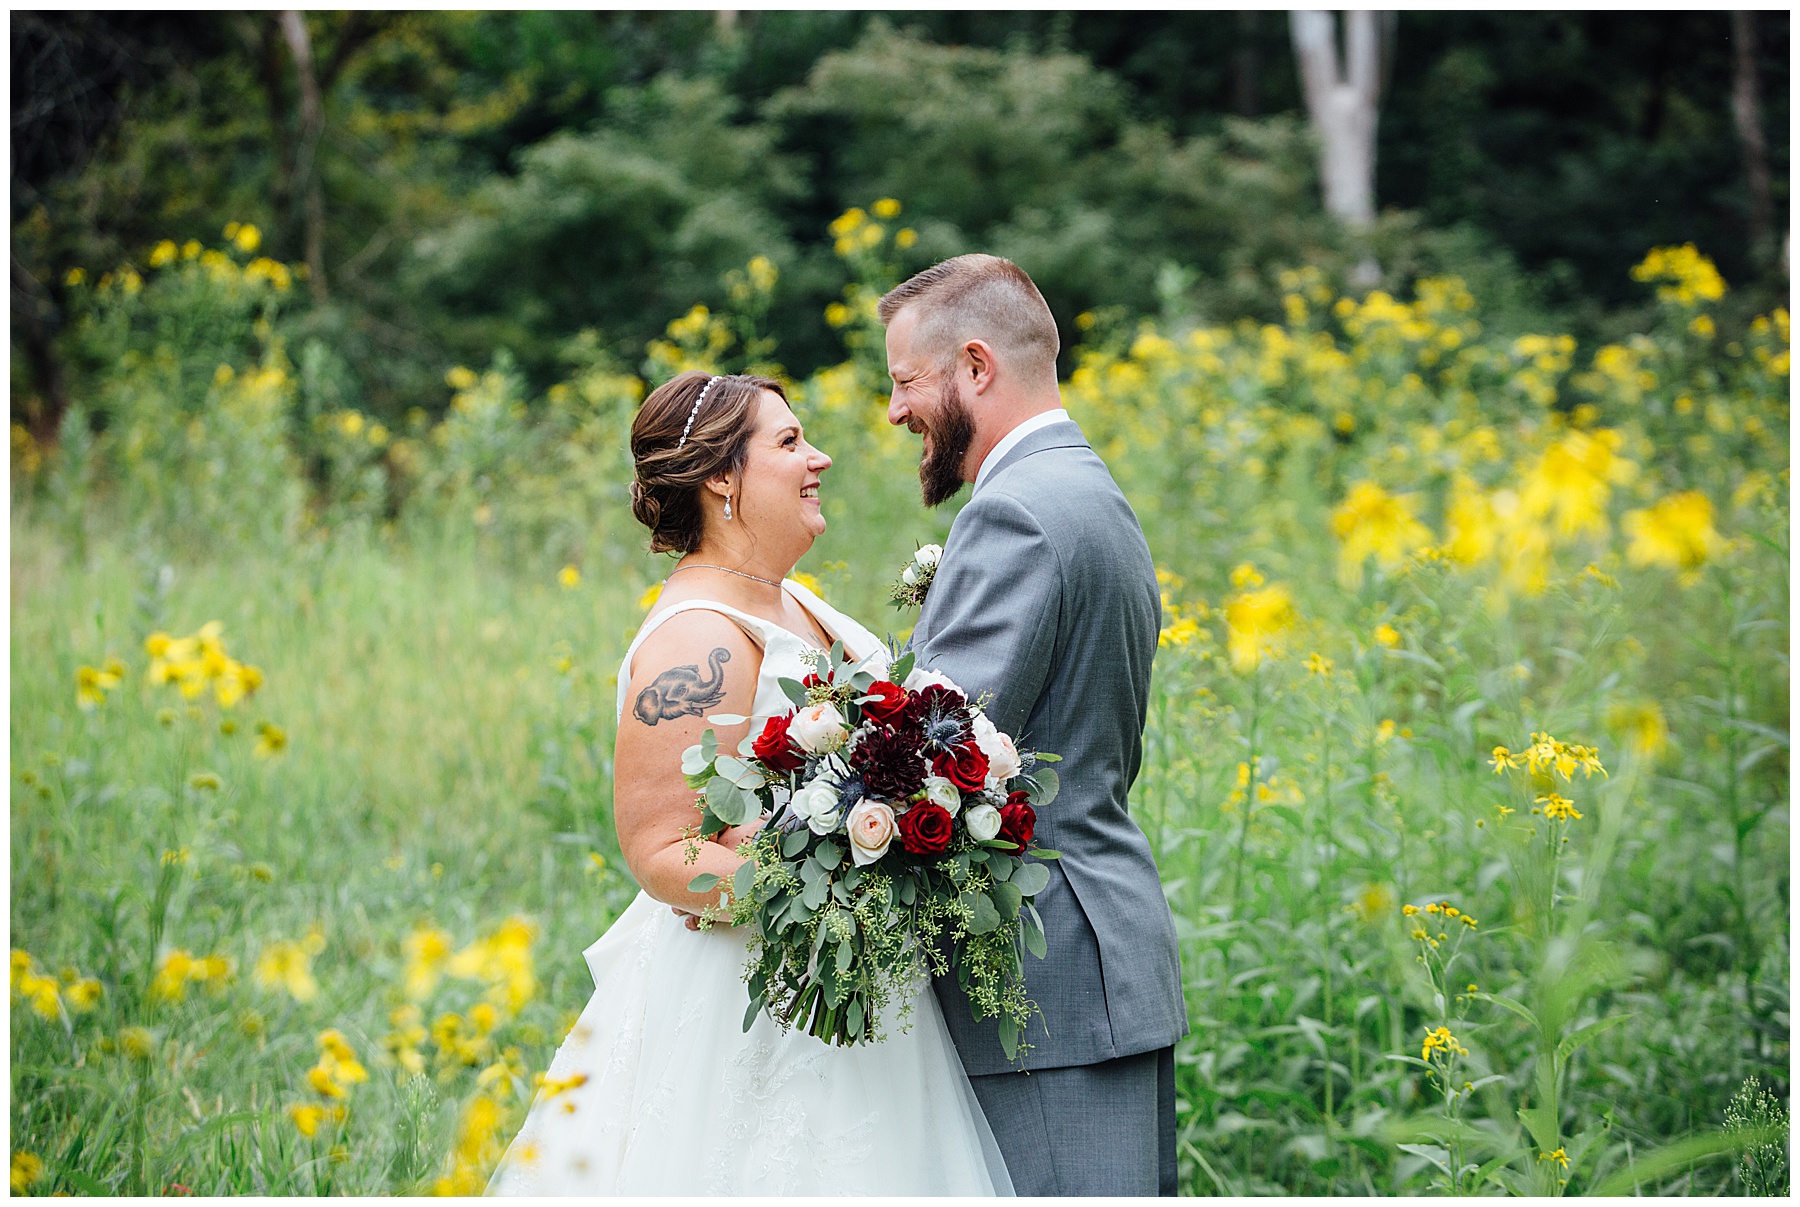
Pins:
x,y
1011,440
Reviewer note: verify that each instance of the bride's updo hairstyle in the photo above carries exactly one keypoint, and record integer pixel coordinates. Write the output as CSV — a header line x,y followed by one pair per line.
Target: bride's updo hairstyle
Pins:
x,y
671,472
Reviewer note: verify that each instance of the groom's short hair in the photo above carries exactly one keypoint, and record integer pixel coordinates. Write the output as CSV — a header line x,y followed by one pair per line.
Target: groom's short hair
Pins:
x,y
978,297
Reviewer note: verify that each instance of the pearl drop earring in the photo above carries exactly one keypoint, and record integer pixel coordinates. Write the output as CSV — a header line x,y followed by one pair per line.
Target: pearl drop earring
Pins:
x,y
728,506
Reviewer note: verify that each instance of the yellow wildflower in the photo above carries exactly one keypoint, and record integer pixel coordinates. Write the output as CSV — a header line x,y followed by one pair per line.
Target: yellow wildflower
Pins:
x,y
1373,523
1257,623
1374,901
271,740
1182,632
1559,1155
1245,574
307,1117
1558,807
1440,1040
1318,664
569,577
427,948
1641,725
84,995
1691,277
287,965
650,596
139,1043
91,684
1387,635
26,1170
1676,532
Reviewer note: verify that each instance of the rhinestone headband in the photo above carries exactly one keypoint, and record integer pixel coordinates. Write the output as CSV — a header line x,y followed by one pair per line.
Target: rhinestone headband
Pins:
x,y
710,383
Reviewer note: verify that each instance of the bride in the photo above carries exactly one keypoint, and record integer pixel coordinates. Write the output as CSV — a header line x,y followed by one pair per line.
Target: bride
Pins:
x,y
658,1089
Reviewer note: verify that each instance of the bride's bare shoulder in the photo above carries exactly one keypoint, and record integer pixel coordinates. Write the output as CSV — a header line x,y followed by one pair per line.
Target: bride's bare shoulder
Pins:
x,y
689,665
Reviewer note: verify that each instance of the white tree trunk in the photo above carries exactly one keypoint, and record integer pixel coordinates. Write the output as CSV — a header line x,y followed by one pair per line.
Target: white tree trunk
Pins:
x,y
1342,99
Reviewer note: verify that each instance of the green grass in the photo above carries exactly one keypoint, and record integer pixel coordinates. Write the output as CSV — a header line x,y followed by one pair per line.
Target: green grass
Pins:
x,y
442,768
449,713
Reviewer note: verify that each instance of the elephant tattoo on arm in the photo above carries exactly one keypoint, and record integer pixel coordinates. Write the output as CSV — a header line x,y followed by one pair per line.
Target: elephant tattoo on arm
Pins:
x,y
681,692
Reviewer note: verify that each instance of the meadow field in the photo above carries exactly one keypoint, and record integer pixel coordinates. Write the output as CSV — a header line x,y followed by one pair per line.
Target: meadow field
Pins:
x,y
1466,772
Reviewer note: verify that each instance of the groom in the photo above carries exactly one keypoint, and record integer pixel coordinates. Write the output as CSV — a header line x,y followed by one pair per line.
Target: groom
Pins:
x,y
1046,597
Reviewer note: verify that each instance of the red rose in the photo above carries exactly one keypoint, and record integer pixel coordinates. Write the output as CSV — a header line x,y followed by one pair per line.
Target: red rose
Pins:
x,y
1018,820
886,701
925,829
966,767
773,747
812,681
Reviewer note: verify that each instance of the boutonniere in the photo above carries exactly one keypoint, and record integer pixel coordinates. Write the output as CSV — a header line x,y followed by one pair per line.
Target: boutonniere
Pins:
x,y
915,580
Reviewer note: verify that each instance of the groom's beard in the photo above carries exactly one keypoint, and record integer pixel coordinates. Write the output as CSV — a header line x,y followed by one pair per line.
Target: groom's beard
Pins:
x,y
940,469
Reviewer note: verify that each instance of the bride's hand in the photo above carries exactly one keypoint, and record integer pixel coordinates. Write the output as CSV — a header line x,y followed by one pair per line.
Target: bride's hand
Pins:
x,y
730,839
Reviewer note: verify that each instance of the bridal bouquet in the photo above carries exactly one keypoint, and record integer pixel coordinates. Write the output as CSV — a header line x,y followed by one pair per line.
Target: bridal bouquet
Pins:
x,y
899,843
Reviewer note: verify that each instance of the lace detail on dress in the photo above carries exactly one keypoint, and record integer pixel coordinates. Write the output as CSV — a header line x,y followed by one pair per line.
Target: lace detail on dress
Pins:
x,y
778,1093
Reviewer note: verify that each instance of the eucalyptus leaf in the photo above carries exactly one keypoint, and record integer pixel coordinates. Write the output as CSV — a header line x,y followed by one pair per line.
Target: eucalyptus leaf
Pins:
x,y
1006,900
792,844
730,803
1009,1037
1046,785
1034,935
793,690
1031,879
705,882
985,918
739,773
727,719
902,667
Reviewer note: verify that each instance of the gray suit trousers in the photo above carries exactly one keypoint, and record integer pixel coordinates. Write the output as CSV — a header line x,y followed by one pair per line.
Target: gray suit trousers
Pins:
x,y
1098,1129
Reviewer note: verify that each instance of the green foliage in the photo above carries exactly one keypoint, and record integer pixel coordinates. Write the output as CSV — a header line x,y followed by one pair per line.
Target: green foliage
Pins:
x,y
1392,540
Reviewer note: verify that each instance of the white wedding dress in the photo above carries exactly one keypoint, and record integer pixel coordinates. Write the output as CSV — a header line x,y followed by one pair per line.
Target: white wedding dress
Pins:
x,y
679,1099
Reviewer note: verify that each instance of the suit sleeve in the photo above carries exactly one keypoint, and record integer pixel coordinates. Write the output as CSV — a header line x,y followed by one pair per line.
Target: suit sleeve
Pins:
x,y
996,601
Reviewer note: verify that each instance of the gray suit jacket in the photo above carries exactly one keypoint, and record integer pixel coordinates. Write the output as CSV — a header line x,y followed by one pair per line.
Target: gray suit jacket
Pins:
x,y
1046,596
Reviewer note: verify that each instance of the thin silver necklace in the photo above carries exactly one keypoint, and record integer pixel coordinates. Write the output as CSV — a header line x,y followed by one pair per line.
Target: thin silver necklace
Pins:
x,y
776,583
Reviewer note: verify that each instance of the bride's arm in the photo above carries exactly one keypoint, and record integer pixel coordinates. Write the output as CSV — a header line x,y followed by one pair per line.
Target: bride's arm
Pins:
x,y
697,665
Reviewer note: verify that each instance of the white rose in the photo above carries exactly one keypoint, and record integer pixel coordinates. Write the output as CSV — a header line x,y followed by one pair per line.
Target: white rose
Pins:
x,y
817,805
910,575
818,728
928,556
941,792
983,822
871,828
920,679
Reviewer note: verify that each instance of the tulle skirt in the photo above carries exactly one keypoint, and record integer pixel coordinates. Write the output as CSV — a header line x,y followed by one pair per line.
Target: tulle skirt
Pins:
x,y
658,1089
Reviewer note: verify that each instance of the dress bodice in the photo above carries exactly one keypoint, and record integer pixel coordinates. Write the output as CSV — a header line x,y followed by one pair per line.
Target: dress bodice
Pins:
x,y
784,651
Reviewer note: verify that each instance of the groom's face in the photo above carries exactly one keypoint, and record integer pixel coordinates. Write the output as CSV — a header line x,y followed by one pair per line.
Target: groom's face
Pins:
x,y
927,399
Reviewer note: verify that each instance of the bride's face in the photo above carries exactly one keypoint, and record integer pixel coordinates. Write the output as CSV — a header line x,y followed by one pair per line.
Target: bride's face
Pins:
x,y
778,492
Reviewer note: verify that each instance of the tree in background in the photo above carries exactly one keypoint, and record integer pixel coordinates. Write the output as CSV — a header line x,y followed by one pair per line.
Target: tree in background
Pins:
x,y
462,182
1343,100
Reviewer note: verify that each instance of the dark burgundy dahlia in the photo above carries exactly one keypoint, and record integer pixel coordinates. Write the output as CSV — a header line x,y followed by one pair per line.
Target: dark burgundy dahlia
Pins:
x,y
889,762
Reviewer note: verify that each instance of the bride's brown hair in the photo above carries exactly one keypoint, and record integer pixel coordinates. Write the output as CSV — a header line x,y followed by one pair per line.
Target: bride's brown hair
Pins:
x,y
671,472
